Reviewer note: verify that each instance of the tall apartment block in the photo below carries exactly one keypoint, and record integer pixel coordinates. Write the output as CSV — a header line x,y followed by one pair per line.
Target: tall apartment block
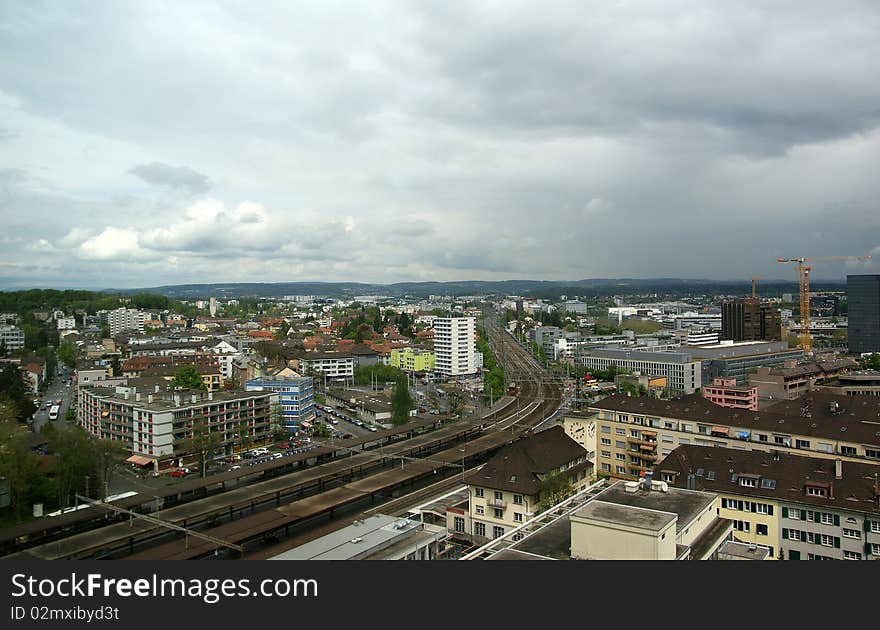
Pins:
x,y
749,320
455,345
863,297
125,319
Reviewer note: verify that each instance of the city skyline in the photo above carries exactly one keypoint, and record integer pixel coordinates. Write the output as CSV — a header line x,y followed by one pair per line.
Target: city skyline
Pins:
x,y
152,145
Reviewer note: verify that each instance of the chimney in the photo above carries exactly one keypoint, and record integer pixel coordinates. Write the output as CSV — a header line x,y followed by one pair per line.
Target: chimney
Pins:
x,y
177,400
149,399
157,389
691,482
194,397
838,469
210,395
647,483
137,397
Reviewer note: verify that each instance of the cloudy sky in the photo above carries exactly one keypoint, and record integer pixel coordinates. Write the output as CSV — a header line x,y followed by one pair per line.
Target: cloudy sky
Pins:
x,y
148,143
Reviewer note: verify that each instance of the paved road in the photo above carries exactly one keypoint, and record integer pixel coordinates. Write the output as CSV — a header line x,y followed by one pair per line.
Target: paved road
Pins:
x,y
56,390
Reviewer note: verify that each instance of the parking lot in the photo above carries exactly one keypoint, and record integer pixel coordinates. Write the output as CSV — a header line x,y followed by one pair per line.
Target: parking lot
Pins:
x,y
345,422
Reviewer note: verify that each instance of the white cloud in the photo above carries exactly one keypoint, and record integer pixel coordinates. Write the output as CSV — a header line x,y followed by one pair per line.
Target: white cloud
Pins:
x,y
112,244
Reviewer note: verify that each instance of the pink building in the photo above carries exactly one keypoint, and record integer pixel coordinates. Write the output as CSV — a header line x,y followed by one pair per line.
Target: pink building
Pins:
x,y
725,392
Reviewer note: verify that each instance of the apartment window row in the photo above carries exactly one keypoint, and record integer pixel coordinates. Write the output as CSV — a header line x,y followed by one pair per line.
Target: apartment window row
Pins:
x,y
824,540
825,518
748,506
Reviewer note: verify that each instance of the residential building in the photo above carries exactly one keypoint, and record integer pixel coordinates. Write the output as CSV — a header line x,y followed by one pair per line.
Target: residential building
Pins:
x,y
125,319
413,359
455,345
800,508
66,323
507,490
157,424
333,365
680,369
725,392
378,537
11,338
210,374
574,306
634,433
863,299
648,521
296,396
793,379
749,320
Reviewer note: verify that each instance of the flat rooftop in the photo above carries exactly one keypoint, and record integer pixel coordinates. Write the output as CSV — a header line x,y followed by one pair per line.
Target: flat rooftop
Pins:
x,y
629,515
357,541
687,504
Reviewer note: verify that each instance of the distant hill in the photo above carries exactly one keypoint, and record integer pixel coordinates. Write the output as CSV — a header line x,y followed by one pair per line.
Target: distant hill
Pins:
x,y
536,288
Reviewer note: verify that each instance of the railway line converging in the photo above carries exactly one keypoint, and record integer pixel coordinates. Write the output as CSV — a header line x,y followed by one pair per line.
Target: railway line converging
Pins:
x,y
250,510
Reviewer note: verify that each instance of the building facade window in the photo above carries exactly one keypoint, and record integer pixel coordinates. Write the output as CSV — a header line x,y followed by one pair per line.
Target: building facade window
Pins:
x,y
479,509
517,499
480,529
852,555
517,517
459,524
478,492
852,533
497,532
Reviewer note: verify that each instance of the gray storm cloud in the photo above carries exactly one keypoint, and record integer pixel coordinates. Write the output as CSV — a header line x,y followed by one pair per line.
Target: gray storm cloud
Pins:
x,y
145,144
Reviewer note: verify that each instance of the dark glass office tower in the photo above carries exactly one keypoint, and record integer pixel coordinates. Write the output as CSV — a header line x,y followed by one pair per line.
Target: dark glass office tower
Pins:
x,y
863,308
749,320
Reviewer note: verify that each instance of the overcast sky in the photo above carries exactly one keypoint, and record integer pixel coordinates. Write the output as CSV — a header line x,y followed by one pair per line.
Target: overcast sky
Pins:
x,y
148,143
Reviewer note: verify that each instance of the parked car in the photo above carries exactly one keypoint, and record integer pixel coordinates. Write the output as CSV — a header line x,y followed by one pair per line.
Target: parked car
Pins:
x,y
177,473
236,467
372,428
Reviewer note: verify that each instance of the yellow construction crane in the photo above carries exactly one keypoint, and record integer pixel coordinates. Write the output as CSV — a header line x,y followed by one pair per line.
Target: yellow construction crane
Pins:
x,y
804,277
754,293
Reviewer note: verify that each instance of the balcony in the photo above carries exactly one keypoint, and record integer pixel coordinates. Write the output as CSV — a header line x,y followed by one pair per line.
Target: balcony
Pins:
x,y
496,503
641,442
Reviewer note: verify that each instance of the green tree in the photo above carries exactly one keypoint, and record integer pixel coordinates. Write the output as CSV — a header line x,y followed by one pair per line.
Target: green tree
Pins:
x,y
243,437
454,401
282,331
322,430
18,464
401,402
74,461
203,443
188,377
108,457
67,353
553,489
870,362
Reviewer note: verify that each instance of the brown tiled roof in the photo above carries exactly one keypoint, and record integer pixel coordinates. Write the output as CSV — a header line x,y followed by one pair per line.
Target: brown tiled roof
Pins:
x,y
859,422
788,474
515,468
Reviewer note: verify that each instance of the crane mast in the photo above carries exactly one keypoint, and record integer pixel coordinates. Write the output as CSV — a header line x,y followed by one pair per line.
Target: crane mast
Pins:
x,y
804,284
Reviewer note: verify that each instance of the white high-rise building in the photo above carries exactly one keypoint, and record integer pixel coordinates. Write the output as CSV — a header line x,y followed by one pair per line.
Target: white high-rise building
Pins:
x,y
212,307
125,319
455,345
